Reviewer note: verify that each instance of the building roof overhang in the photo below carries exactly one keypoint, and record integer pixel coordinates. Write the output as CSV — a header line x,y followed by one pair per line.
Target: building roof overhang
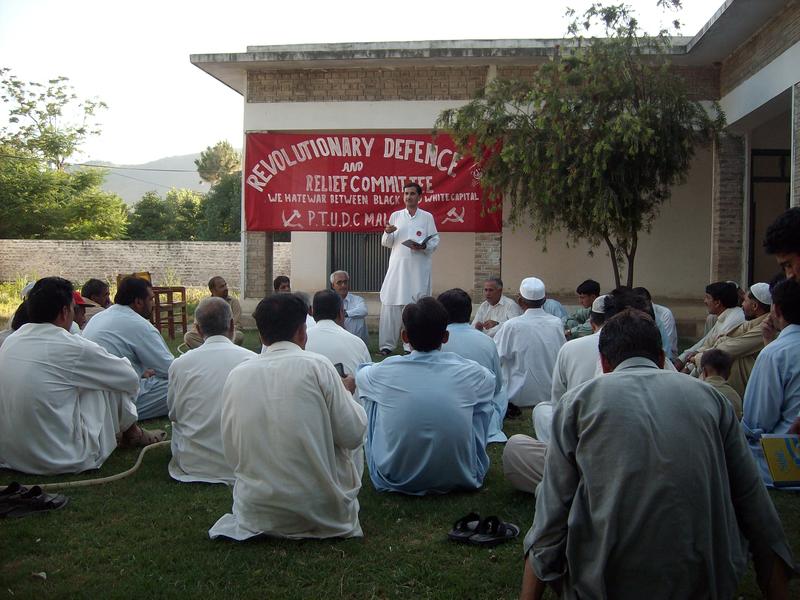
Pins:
x,y
732,25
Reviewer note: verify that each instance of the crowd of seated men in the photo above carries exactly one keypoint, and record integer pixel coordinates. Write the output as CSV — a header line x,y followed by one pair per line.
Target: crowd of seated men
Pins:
x,y
646,465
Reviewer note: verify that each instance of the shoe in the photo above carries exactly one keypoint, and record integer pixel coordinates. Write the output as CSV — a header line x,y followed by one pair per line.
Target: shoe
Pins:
x,y
384,352
465,527
492,531
513,411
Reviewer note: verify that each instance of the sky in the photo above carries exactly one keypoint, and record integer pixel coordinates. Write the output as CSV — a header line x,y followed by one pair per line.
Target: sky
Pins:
x,y
135,55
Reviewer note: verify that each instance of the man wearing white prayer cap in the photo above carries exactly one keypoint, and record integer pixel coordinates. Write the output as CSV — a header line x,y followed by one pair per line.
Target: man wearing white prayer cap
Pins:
x,y
745,341
528,345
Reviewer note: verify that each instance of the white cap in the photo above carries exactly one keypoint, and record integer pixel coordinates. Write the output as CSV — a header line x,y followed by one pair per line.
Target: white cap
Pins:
x,y
532,288
599,305
761,293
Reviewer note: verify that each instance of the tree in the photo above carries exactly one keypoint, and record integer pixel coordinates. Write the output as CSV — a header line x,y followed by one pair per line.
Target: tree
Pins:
x,y
593,144
222,210
175,217
47,120
216,161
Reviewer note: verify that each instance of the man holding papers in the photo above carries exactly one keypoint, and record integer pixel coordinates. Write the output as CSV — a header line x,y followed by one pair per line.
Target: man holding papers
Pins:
x,y
412,236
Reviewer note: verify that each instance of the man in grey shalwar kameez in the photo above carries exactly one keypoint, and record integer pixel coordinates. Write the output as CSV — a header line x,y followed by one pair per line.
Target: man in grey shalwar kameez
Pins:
x,y
649,488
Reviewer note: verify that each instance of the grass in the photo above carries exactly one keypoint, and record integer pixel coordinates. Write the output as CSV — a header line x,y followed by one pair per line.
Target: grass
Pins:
x,y
146,536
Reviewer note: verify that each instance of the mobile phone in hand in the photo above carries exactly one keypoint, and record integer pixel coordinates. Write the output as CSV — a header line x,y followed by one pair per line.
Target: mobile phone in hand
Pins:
x,y
339,369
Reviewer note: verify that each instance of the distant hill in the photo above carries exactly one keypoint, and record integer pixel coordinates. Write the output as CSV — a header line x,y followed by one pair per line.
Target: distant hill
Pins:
x,y
131,182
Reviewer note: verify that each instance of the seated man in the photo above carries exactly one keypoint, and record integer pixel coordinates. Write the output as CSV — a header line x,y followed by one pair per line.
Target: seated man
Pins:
x,y
124,329
282,285
577,324
355,309
329,338
665,321
428,412
219,289
721,300
97,291
649,489
772,396
715,368
290,429
528,346
194,396
495,309
19,319
63,399
470,343
82,306
745,342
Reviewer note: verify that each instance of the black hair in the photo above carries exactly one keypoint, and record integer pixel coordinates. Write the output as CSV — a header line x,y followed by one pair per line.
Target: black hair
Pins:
x,y
623,298
20,316
212,281
786,296
278,281
93,288
278,317
725,292
628,334
597,318
415,185
589,287
425,322
326,305
47,298
532,303
717,359
644,292
458,305
783,236
130,289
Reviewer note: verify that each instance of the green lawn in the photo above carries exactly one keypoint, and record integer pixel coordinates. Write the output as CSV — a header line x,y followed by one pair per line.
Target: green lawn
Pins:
x,y
146,536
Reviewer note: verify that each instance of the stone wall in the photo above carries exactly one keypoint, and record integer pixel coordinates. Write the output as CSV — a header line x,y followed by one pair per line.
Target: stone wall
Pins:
x,y
190,263
727,209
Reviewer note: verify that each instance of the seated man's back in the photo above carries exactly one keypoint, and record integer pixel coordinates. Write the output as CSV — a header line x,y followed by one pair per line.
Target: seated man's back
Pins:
x,y
124,330
330,339
289,430
194,397
428,412
63,399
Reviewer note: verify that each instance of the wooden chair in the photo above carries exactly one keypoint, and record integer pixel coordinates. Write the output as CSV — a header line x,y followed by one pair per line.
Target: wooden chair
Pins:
x,y
169,307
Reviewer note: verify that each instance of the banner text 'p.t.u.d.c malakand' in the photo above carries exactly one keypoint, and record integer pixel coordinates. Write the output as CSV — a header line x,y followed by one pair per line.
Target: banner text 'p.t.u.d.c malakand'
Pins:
x,y
353,182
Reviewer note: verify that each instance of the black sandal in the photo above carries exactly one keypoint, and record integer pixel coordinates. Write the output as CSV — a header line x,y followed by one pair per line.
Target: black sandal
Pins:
x,y
492,531
465,527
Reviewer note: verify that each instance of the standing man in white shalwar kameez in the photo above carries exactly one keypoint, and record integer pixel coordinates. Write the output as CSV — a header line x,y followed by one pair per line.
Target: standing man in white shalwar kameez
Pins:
x,y
124,329
290,430
63,399
194,397
408,277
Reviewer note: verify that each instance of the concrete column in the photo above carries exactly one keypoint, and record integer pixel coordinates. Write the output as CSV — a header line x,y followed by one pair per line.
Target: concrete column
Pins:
x,y
258,271
488,261
727,209
794,186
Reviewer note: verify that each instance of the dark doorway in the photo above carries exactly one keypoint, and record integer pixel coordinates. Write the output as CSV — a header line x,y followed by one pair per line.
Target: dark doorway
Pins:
x,y
769,197
362,256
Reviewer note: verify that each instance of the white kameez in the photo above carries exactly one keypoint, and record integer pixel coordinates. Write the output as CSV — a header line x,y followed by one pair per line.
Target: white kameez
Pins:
x,y
355,320
63,399
289,430
338,345
528,346
194,400
726,322
501,312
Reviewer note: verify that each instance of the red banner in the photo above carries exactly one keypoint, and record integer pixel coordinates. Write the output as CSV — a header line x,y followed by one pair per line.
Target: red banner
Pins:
x,y
353,182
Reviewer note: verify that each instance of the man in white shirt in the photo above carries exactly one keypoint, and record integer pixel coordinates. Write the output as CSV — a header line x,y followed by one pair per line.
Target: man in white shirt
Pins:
x,y
665,321
290,429
721,299
329,338
412,236
194,396
355,309
495,309
219,289
64,400
124,329
528,346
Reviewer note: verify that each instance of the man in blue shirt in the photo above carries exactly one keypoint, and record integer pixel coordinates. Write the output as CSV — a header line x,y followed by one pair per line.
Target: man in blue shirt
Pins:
x,y
428,412
772,395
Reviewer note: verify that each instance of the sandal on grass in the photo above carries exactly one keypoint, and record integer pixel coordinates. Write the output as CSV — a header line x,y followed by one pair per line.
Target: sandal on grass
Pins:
x,y
34,500
144,437
464,527
492,531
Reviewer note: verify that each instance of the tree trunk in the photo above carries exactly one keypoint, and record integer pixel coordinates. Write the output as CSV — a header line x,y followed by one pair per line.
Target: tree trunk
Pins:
x,y
612,252
631,256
